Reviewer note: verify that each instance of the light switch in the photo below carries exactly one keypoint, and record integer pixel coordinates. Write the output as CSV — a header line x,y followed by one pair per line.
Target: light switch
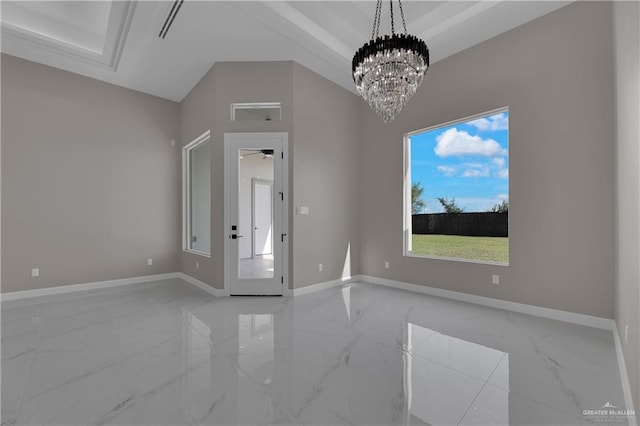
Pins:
x,y
302,210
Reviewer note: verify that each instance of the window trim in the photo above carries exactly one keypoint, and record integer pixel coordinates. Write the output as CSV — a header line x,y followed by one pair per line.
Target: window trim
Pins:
x,y
186,195
406,176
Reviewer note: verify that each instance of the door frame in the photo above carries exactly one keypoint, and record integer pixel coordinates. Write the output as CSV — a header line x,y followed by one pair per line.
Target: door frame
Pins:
x,y
254,182
284,170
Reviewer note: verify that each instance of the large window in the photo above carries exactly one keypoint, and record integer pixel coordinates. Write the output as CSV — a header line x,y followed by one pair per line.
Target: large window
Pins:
x,y
196,166
457,189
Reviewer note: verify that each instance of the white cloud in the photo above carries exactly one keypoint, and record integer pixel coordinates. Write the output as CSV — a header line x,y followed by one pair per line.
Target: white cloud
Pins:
x,y
457,143
503,173
503,197
476,173
499,161
481,124
494,122
447,170
475,165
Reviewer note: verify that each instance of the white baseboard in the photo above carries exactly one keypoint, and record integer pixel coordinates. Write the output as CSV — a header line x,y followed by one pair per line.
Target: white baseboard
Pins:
x,y
624,377
50,291
320,286
570,317
218,292
587,320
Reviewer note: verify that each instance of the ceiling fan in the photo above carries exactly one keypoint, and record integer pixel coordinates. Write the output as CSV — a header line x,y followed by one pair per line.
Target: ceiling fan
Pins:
x,y
266,153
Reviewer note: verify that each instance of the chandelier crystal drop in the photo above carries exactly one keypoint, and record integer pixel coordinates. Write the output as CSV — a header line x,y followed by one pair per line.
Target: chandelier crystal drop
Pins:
x,y
388,70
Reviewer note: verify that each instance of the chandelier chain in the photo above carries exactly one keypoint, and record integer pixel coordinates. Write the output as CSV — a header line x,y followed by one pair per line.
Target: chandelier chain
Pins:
x,y
393,31
376,21
378,18
388,70
404,24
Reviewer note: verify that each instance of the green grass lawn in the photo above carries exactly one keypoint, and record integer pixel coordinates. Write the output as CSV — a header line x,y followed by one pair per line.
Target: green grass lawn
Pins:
x,y
491,249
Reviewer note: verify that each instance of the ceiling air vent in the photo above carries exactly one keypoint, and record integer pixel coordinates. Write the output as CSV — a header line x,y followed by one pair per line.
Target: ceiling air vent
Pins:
x,y
177,4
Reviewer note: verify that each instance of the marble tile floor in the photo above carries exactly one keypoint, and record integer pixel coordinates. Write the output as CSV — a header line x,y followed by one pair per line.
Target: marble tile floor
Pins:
x,y
167,353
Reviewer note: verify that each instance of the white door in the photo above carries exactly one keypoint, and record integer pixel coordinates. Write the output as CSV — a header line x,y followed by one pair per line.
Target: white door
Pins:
x,y
262,217
252,158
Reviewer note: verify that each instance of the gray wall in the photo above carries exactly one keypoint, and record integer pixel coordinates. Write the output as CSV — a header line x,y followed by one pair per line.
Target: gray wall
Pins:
x,y
322,120
89,181
197,115
326,178
556,76
208,107
260,82
627,301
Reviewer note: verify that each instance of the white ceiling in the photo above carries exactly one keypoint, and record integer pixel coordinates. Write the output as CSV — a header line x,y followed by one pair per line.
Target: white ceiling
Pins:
x,y
118,41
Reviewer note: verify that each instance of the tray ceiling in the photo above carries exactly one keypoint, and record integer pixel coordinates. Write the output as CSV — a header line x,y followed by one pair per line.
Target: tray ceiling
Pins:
x,y
117,41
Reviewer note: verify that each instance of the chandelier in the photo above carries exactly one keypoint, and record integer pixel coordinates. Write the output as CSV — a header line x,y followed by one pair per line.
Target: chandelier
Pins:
x,y
388,70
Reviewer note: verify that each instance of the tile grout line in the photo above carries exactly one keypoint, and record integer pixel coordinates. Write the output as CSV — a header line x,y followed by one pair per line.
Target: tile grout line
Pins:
x,y
481,389
471,404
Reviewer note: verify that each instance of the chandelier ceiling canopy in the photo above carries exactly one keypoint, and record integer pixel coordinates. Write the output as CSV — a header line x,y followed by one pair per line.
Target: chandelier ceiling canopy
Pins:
x,y
388,70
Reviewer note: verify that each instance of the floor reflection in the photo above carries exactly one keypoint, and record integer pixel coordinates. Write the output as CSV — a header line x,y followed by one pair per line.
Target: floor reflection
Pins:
x,y
196,353
444,374
256,344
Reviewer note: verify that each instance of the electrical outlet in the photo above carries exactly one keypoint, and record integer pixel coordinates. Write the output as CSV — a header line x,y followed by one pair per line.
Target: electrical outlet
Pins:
x,y
173,142
626,334
149,262
320,267
495,279
386,265
35,272
197,265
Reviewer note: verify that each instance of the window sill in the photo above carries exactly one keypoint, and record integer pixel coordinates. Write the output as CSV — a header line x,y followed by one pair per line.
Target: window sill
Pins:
x,y
456,259
198,253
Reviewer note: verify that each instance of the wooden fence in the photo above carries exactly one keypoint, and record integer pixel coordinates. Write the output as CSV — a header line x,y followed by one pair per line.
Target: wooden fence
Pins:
x,y
486,224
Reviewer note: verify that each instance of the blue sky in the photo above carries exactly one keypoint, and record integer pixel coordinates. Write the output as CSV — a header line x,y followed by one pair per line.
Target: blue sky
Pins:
x,y
468,161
